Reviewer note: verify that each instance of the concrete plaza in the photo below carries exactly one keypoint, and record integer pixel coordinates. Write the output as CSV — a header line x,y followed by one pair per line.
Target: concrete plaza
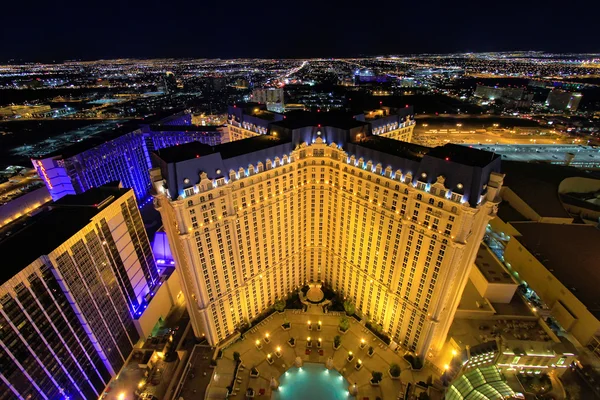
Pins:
x,y
254,356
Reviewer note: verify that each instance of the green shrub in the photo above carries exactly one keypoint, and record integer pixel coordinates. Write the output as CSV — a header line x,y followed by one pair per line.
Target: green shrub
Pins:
x,y
349,307
337,340
376,376
344,324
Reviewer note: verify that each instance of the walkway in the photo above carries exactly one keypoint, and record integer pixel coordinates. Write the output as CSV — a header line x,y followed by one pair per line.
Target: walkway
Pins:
x,y
252,356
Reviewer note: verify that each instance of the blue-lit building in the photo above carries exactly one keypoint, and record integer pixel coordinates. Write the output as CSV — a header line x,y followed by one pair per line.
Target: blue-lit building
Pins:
x,y
162,136
119,156
75,282
72,171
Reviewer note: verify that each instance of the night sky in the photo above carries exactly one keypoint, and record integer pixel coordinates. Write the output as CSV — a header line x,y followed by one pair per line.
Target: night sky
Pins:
x,y
89,29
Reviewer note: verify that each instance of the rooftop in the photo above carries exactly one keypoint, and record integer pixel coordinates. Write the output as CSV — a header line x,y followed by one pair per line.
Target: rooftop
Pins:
x,y
490,267
463,155
407,150
301,119
480,383
184,128
537,185
508,214
43,233
101,138
227,150
570,253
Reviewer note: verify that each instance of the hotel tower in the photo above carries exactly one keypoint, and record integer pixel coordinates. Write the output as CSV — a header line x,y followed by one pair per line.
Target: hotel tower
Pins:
x,y
320,197
75,279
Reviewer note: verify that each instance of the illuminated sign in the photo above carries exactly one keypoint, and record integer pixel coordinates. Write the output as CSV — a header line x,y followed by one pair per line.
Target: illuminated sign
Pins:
x,y
43,172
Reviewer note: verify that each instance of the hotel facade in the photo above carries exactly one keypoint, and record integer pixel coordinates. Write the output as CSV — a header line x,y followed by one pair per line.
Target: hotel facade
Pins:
x,y
69,305
100,160
392,226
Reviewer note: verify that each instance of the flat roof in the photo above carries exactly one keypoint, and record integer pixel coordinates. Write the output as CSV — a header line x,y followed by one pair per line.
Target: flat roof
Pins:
x,y
395,147
227,150
43,233
464,155
490,267
537,185
570,253
301,119
508,214
101,138
184,128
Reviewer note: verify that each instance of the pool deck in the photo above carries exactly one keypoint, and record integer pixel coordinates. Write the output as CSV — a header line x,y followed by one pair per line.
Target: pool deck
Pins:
x,y
251,356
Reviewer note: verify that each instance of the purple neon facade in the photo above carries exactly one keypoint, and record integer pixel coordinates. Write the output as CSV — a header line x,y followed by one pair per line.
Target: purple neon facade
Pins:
x,y
58,337
125,158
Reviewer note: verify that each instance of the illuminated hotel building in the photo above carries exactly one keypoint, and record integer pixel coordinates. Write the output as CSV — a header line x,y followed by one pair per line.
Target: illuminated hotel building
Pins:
x,y
247,120
393,123
99,160
272,97
75,278
393,226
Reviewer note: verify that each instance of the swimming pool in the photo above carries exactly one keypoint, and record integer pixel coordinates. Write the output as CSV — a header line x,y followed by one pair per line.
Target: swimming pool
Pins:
x,y
313,382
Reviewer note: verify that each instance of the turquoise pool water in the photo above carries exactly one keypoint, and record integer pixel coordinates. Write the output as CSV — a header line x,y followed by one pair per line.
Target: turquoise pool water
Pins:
x,y
312,382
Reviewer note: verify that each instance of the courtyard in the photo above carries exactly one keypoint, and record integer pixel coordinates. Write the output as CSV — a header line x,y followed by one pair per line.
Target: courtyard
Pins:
x,y
266,350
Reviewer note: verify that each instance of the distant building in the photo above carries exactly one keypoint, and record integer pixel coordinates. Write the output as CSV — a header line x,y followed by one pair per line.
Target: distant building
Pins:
x,y
272,97
246,120
495,92
75,280
25,111
509,97
124,158
217,83
562,100
390,122
170,82
364,75
162,136
77,169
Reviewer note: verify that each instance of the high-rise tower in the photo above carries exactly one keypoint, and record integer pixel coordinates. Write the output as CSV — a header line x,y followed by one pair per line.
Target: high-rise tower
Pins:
x,y
75,278
392,225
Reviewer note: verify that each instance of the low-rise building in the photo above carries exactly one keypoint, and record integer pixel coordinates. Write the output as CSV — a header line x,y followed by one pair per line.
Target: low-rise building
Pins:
x,y
562,100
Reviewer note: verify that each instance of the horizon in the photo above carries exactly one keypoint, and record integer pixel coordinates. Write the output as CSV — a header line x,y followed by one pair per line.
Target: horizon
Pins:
x,y
73,30
398,55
